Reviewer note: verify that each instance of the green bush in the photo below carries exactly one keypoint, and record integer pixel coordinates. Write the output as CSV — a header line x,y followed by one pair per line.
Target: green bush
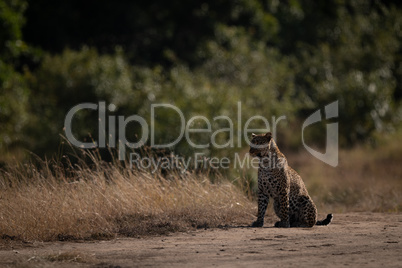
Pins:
x,y
277,59
68,79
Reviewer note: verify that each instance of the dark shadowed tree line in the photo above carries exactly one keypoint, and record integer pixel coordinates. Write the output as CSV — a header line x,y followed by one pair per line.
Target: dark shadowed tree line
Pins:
x,y
276,57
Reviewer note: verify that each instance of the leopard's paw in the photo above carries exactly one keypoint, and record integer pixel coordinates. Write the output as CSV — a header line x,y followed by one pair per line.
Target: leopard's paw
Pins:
x,y
282,224
257,224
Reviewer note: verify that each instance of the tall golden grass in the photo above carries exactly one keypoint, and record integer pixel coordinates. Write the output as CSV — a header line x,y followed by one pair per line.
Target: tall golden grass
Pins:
x,y
99,202
368,178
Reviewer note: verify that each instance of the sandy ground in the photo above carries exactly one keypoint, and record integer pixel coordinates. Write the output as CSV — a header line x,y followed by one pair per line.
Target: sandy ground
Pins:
x,y
353,239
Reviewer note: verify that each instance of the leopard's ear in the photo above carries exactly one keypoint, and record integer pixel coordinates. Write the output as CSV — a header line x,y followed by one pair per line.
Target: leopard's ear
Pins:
x,y
268,135
253,135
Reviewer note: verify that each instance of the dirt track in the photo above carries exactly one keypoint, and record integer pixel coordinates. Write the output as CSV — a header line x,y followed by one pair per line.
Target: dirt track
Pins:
x,y
354,239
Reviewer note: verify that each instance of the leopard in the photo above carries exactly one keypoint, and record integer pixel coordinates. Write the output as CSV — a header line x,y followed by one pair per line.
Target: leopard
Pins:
x,y
281,183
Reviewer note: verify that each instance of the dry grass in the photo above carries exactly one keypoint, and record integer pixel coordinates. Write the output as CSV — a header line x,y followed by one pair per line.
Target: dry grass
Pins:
x,y
367,178
101,201
105,200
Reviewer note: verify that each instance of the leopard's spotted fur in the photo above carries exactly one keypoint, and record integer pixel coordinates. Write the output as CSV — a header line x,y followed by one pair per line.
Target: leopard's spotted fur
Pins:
x,y
278,181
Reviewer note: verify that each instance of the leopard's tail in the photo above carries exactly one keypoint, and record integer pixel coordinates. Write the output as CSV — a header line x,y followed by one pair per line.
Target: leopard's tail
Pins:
x,y
325,221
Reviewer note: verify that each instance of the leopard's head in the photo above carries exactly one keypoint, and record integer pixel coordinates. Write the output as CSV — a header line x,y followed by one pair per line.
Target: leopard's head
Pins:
x,y
259,145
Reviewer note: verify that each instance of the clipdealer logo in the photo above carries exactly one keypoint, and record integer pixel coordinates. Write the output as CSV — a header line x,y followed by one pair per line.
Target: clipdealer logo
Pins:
x,y
331,149
115,134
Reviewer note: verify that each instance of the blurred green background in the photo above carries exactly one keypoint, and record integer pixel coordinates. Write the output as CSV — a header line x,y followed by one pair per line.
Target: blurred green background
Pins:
x,y
276,57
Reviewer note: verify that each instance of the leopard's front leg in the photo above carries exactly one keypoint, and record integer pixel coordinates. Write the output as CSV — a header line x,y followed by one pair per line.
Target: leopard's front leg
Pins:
x,y
283,212
262,207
